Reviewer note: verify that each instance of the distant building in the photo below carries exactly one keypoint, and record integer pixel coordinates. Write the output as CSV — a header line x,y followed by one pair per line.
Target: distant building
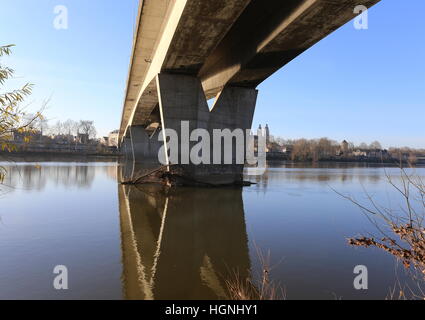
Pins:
x,y
83,138
344,147
359,153
104,141
63,138
17,136
113,138
267,133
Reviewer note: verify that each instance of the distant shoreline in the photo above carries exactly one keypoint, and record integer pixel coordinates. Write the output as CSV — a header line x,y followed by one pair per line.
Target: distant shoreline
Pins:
x,y
346,160
58,156
341,164
112,157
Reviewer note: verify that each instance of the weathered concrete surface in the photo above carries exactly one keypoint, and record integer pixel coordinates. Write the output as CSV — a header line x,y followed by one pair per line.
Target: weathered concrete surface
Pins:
x,y
145,147
224,42
233,109
268,35
146,105
174,46
182,99
202,26
126,148
140,153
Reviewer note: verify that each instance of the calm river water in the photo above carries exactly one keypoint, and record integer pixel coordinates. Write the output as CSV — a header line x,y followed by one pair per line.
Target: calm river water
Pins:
x,y
121,242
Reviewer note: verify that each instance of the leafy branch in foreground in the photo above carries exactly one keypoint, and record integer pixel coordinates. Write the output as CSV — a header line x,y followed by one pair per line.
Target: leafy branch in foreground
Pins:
x,y
12,116
5,50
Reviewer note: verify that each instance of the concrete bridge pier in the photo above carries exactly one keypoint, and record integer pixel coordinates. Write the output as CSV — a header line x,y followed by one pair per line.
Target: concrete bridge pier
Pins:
x,y
126,172
140,152
181,105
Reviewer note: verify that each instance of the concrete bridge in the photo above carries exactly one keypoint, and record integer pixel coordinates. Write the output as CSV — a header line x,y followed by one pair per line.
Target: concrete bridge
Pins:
x,y
186,52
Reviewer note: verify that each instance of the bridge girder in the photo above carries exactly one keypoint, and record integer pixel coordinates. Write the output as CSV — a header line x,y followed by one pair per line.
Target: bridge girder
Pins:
x,y
224,42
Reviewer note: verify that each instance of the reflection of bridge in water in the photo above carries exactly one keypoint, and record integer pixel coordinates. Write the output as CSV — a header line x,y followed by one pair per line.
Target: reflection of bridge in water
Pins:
x,y
181,244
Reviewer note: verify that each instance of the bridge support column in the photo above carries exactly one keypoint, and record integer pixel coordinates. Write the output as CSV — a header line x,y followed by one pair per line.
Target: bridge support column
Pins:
x,y
141,152
126,149
145,148
182,99
126,171
234,110
182,107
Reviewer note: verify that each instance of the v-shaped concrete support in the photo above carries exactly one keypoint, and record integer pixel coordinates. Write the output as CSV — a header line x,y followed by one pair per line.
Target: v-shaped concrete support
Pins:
x,y
181,100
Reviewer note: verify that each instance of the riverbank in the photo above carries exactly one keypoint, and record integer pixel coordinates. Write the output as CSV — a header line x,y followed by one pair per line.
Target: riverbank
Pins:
x,y
361,159
58,157
334,164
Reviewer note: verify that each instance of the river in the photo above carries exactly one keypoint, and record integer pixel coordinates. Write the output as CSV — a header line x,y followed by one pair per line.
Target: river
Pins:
x,y
122,242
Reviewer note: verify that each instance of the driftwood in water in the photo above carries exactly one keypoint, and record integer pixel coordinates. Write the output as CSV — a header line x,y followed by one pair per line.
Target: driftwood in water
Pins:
x,y
173,175
158,175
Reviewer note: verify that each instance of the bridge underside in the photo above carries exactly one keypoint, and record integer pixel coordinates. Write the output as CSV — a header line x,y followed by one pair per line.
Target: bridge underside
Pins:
x,y
188,51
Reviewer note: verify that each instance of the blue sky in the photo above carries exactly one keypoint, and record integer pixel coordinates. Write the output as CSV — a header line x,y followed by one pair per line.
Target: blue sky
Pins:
x,y
359,85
